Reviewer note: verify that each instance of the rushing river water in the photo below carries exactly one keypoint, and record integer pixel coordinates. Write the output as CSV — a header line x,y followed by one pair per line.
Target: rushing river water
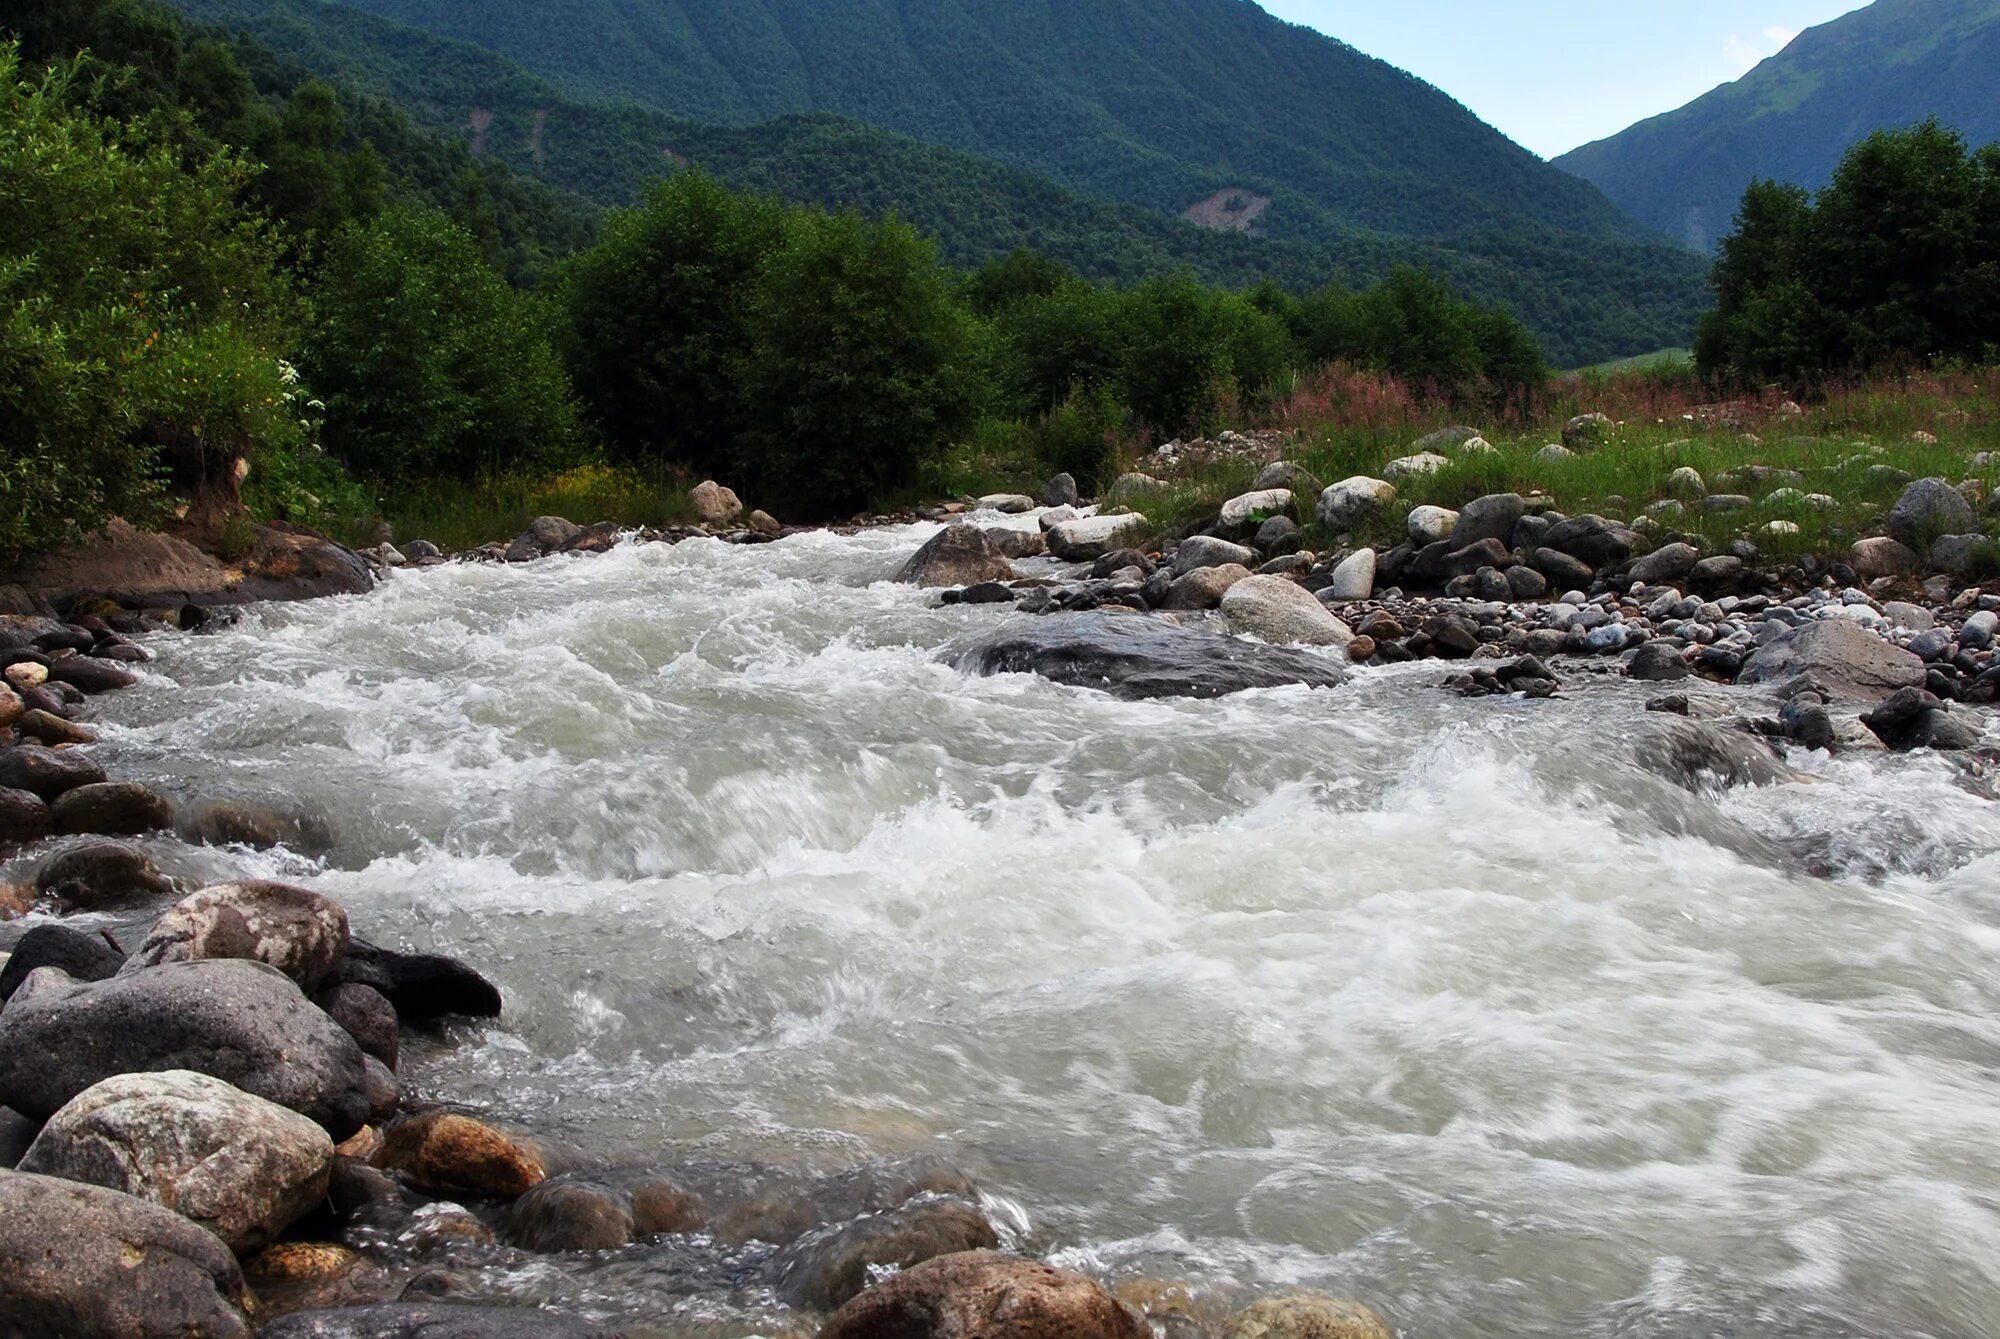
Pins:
x,y
1439,1004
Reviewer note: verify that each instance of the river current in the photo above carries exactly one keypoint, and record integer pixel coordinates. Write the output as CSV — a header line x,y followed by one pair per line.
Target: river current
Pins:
x,y
1442,1005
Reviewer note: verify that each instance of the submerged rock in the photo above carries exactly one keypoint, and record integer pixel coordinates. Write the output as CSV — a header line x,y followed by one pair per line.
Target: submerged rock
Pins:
x,y
1696,756
111,809
420,1320
980,1295
1307,1316
443,1150
601,1211
1137,658
1846,659
102,874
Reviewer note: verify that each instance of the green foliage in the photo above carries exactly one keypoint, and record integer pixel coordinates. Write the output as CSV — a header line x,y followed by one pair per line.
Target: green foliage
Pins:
x,y
146,319
428,362
1896,262
1081,437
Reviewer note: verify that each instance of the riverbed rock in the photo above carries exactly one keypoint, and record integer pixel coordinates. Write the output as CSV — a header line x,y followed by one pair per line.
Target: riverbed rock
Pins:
x,y
1132,488
24,817
1199,551
1696,756
1007,504
1591,539
83,957
981,1295
1587,430
1491,517
1282,613
958,555
262,827
241,1022
1353,579
49,773
295,930
426,1320
1431,525
365,1014
1060,491
90,675
826,1267
442,1150
111,809
1353,501
601,1211
1928,509
1847,659
1091,537
1241,515
422,986
79,1260
1668,565
1204,587
1912,719
101,875
1306,1316
715,505
1657,662
45,727
545,535
1294,478
1140,658
290,562
240,1166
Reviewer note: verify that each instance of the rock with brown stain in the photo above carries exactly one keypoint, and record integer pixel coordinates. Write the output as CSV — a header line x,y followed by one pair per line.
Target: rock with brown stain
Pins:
x,y
981,1295
442,1150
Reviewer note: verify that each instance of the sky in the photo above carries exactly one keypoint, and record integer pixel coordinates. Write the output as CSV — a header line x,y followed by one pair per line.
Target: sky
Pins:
x,y
1553,74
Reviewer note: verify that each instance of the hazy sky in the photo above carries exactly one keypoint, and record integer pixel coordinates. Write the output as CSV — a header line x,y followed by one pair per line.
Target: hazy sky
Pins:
x,y
1553,74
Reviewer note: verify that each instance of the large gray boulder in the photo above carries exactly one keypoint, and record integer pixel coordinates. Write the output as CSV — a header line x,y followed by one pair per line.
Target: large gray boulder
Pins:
x,y
242,1022
1847,660
1282,613
1199,551
958,555
1241,515
1353,501
1667,565
424,1320
1091,537
80,1261
1491,517
297,931
1928,510
1135,657
240,1166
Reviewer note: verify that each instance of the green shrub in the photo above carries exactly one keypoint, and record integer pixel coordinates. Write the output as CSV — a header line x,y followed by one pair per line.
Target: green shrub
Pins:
x,y
1082,436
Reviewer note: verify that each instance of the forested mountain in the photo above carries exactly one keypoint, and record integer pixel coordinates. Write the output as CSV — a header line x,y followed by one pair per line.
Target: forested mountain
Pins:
x,y
1584,299
1893,64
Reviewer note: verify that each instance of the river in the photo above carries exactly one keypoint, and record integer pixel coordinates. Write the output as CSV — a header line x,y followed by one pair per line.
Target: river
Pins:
x,y
1438,1004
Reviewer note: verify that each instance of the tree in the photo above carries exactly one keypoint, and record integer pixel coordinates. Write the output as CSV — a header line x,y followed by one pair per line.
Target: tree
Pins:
x,y
1176,353
429,364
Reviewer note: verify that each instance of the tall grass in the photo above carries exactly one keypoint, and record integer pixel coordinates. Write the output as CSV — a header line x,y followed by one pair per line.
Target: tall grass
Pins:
x,y
464,516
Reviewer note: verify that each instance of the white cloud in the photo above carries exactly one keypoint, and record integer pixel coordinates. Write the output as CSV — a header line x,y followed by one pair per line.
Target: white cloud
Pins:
x,y
1744,53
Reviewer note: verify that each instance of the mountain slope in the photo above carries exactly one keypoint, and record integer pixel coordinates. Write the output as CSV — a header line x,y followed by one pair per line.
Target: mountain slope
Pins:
x,y
1583,301
1156,102
1893,64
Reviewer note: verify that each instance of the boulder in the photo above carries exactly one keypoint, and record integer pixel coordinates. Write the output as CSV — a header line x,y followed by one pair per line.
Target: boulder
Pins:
x,y
100,875
1445,439
1912,718
1563,571
1204,587
241,1022
80,956
958,555
601,1211
1587,430
1657,662
129,566
1007,504
365,1014
294,563
1014,544
1414,467
981,1295
1592,539
764,523
79,1260
442,1150
1353,579
1306,1316
422,986
1687,484
1850,661
24,817
1432,525
1060,491
111,809
49,773
88,674
425,1320
1491,517
826,1267
1141,658
715,505
1928,509
544,535
240,1166
1090,537
1199,551
1353,501
1881,557
1295,479
1668,565
1131,488
45,727
1241,515
1281,612
1698,756
295,930
1967,556
1277,536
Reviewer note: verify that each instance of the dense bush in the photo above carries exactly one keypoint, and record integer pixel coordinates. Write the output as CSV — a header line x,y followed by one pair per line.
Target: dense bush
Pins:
x,y
1896,262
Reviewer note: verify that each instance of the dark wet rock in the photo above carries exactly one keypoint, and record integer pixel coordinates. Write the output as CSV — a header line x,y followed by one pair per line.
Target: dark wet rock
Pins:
x,y
1060,491
79,1260
1722,572
601,1211
90,674
1120,559
1657,662
17,1133
45,727
1928,510
958,555
294,563
1848,660
83,957
989,592
1141,658
240,1166
425,1320
111,809
295,930
1697,756
544,535
261,827
421,986
241,1022
1490,517
1485,553
366,1015
981,1295
49,773
1806,721
1016,544
1564,571
24,817
353,1186
825,1268
1912,718
1524,583
100,875
442,1150
1594,540
602,537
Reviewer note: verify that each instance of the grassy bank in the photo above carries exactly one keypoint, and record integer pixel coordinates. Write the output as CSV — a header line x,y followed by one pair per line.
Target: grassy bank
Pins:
x,y
464,516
